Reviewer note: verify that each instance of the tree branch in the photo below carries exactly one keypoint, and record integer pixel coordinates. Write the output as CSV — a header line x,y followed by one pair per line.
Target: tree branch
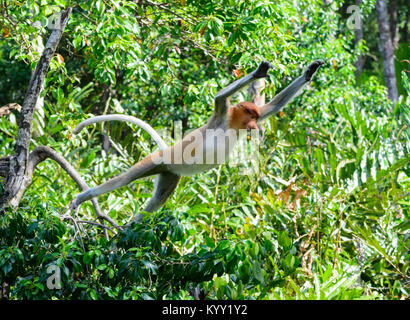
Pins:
x,y
6,109
38,155
162,6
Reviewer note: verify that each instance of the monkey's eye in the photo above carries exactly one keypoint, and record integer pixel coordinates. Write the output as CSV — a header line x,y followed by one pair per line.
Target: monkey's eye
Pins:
x,y
252,113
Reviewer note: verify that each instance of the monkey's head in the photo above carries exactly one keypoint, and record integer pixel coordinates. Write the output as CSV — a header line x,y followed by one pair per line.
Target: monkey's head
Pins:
x,y
244,116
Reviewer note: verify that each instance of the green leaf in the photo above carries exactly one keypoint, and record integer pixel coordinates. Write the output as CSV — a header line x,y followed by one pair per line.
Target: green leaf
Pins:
x,y
257,272
284,241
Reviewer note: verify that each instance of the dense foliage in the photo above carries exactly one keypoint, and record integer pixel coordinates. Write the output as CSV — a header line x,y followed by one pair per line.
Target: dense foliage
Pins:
x,y
324,216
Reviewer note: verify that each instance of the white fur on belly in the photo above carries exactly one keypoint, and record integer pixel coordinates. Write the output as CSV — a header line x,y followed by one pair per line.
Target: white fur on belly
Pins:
x,y
203,152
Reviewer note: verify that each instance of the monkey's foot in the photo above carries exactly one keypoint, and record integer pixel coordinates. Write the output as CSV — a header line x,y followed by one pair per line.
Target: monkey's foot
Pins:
x,y
312,68
262,70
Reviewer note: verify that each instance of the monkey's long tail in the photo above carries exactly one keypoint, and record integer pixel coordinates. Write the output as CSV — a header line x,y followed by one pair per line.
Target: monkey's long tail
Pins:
x,y
120,117
162,190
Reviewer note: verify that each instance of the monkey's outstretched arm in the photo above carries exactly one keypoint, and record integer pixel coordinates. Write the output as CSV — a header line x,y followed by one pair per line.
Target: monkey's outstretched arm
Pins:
x,y
120,117
283,98
221,98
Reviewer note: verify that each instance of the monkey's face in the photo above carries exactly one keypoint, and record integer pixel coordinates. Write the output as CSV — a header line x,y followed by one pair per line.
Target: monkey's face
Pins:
x,y
244,116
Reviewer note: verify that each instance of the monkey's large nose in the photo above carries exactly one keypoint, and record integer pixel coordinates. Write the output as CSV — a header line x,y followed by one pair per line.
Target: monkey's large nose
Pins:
x,y
252,126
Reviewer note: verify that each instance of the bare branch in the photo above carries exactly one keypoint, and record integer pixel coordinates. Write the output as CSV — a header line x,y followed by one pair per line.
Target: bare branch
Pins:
x,y
40,154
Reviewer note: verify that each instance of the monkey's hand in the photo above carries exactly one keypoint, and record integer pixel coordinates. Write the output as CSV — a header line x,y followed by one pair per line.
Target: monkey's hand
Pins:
x,y
262,70
312,68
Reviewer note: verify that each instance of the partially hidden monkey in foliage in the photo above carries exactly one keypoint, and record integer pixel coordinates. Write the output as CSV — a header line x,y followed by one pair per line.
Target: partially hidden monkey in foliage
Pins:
x,y
203,148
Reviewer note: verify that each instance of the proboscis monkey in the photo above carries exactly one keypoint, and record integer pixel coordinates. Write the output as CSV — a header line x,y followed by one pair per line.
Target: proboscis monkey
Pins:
x,y
202,149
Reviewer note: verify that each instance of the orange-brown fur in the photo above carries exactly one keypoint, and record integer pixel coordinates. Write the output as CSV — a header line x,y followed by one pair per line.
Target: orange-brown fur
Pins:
x,y
243,116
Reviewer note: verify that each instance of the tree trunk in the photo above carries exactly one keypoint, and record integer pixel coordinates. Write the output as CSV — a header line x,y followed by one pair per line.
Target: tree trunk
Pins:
x,y
405,30
358,36
16,177
394,27
387,49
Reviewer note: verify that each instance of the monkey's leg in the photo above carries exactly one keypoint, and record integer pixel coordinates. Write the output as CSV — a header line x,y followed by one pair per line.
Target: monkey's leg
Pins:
x,y
165,184
146,167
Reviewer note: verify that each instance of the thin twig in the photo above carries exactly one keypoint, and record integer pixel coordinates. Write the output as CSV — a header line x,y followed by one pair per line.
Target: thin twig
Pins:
x,y
97,224
85,16
160,5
